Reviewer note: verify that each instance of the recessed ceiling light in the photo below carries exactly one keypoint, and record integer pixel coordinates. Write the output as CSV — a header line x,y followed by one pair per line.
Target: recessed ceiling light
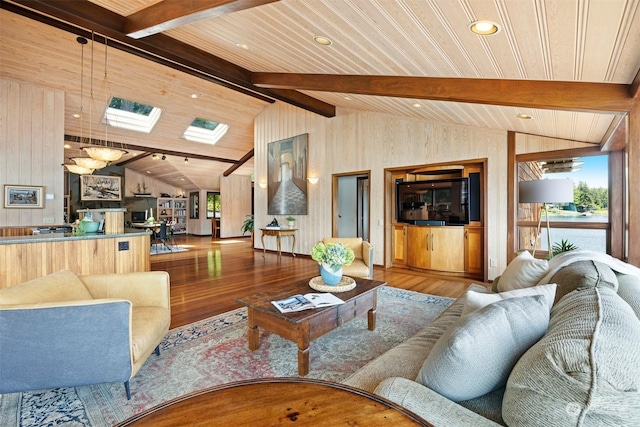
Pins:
x,y
194,95
417,105
242,46
149,172
484,28
76,116
67,146
523,116
347,98
325,41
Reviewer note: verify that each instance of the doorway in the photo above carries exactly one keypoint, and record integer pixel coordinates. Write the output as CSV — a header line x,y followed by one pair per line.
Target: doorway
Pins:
x,y
351,216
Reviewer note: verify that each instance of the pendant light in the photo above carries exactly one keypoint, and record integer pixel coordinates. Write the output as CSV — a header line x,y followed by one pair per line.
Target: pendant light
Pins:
x,y
102,153
76,167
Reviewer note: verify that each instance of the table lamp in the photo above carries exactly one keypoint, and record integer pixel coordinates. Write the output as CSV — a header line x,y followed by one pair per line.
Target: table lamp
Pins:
x,y
545,191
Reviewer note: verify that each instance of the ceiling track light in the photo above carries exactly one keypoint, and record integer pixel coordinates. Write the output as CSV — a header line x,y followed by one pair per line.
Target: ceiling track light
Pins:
x,y
186,160
155,156
164,157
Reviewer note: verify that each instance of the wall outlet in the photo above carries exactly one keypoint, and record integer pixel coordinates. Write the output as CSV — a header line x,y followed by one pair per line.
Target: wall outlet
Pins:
x,y
493,262
123,246
48,220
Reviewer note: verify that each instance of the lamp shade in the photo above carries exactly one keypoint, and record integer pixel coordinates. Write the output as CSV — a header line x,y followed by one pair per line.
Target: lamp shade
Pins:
x,y
546,191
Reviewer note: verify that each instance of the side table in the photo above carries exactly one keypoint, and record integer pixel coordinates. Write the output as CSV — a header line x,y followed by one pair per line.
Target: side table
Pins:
x,y
278,233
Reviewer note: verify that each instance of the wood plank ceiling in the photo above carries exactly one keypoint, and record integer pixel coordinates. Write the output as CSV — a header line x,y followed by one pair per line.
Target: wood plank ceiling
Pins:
x,y
570,65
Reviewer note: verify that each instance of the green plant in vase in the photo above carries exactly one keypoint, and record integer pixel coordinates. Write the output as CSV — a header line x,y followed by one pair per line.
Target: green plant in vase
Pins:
x,y
331,257
247,225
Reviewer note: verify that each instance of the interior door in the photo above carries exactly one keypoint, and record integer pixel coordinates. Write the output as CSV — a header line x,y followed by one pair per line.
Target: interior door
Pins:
x,y
351,208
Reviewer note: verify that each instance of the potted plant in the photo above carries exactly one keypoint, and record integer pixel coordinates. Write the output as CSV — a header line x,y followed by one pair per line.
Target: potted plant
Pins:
x,y
292,221
247,225
331,258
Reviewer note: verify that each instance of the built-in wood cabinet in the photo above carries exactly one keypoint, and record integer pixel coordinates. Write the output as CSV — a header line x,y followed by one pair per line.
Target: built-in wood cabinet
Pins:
x,y
173,209
473,250
436,248
399,244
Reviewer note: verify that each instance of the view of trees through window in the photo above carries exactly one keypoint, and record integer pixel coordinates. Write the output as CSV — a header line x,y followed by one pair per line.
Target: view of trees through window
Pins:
x,y
130,106
213,205
587,218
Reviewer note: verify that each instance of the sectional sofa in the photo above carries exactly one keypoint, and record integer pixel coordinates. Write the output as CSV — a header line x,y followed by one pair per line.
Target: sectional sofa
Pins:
x,y
557,343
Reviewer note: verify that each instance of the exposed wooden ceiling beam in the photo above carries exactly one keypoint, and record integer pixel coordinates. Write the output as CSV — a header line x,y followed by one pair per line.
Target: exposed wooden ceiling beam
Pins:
x,y
555,95
78,16
170,14
150,150
239,163
634,89
616,137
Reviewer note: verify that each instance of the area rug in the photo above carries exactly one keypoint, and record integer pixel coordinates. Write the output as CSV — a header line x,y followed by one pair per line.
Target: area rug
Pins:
x,y
214,351
159,248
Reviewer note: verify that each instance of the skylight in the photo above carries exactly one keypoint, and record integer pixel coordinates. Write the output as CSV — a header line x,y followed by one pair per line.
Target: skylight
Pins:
x,y
131,115
206,131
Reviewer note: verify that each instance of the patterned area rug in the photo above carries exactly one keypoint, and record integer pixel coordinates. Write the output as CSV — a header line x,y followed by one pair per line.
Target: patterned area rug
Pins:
x,y
214,351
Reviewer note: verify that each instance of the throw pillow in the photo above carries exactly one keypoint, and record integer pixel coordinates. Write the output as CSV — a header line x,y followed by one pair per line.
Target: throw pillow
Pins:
x,y
475,355
583,274
585,371
475,301
523,272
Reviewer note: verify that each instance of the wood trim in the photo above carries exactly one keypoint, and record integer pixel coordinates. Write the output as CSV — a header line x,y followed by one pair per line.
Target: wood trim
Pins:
x,y
616,137
550,155
617,201
633,178
563,224
544,94
512,183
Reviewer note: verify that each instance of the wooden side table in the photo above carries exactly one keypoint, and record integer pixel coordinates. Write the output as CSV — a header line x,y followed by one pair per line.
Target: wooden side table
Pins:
x,y
283,232
278,402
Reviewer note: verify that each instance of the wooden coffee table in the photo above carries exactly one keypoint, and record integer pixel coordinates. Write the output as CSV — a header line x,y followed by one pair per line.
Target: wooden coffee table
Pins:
x,y
302,327
277,402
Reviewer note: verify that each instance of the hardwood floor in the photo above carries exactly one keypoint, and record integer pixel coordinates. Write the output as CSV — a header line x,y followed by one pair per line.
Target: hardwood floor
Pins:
x,y
207,278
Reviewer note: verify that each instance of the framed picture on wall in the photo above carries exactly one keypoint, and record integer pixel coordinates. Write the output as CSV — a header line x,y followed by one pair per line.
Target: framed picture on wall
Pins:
x,y
287,180
100,187
23,197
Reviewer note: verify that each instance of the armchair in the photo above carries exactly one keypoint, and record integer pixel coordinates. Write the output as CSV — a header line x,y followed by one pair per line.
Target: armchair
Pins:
x,y
362,265
64,330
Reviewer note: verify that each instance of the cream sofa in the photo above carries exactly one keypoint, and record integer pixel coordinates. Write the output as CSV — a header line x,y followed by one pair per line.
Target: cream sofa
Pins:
x,y
583,371
64,330
362,265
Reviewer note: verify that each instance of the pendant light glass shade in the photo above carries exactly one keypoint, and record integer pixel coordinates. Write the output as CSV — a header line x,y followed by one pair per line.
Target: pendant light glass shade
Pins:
x,y
106,154
89,163
80,170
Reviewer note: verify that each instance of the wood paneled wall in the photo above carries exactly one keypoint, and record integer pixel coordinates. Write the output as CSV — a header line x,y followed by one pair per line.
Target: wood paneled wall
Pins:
x,y
371,141
31,149
235,204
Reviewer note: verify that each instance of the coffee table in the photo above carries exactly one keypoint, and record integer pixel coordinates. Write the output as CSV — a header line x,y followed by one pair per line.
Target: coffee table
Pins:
x,y
302,327
275,402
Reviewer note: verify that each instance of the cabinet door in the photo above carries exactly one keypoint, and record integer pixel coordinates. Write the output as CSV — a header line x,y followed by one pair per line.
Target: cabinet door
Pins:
x,y
447,248
418,254
399,244
473,250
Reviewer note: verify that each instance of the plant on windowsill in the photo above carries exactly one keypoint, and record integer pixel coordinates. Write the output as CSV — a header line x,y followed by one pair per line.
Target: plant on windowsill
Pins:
x,y
331,258
563,246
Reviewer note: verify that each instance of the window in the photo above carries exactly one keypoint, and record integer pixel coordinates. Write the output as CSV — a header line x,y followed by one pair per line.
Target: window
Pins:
x,y
213,205
131,115
206,131
584,222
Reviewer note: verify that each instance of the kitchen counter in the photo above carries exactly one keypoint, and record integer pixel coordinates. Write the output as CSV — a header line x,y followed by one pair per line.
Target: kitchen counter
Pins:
x,y
56,236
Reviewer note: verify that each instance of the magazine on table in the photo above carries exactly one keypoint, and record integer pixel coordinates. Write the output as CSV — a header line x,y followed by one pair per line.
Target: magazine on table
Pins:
x,y
306,302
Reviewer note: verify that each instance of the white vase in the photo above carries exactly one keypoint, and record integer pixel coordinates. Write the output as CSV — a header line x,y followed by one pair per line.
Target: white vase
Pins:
x,y
292,224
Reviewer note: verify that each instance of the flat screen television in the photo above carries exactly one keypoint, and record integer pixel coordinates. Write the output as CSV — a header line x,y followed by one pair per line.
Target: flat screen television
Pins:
x,y
437,202
137,216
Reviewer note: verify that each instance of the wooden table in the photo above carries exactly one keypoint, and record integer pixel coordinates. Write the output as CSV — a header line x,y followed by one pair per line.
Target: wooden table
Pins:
x,y
277,402
302,327
283,232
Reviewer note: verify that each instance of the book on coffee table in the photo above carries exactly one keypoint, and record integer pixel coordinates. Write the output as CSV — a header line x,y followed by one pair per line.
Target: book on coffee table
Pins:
x,y
306,302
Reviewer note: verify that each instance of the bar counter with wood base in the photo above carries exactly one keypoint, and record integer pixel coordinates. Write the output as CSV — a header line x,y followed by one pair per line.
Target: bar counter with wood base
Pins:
x,y
24,258
277,402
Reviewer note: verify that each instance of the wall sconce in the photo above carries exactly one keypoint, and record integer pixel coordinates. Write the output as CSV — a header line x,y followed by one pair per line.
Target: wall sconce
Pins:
x,y
262,184
313,179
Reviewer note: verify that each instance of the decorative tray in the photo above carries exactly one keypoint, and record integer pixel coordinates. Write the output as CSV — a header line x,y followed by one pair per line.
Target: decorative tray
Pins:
x,y
345,284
